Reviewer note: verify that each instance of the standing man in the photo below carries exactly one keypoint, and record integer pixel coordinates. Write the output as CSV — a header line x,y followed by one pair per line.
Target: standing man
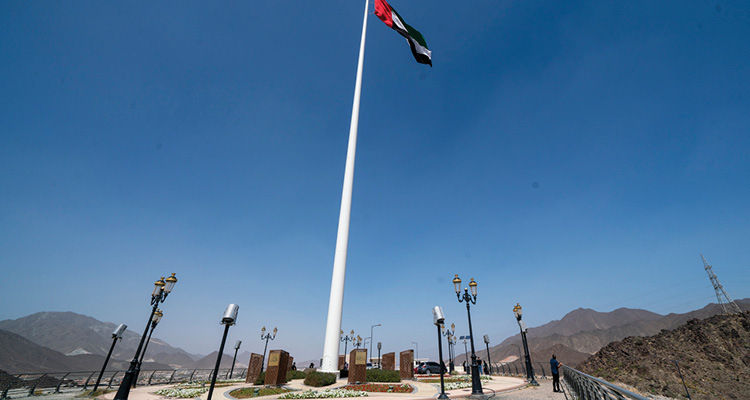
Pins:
x,y
554,364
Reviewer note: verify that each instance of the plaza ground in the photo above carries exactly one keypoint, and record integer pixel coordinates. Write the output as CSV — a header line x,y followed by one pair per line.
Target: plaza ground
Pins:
x,y
505,388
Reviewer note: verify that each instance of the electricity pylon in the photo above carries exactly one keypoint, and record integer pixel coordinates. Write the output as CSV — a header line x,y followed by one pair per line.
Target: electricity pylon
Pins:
x,y
728,306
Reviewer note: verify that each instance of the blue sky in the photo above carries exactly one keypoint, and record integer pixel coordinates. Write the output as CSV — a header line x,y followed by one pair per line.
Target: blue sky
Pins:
x,y
564,154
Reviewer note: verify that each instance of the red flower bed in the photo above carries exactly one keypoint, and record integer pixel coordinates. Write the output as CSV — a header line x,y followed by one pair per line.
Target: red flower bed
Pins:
x,y
381,387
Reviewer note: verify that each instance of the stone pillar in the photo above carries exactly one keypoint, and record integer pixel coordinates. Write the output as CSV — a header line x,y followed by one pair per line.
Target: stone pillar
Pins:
x,y
276,368
406,364
389,361
342,361
358,366
289,363
253,368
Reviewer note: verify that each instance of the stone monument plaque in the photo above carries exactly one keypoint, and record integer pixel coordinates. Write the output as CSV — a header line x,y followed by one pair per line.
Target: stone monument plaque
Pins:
x,y
389,361
358,366
277,367
289,363
406,364
253,368
342,361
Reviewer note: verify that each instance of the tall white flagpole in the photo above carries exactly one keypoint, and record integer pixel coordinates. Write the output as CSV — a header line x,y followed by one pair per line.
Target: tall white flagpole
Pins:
x,y
335,303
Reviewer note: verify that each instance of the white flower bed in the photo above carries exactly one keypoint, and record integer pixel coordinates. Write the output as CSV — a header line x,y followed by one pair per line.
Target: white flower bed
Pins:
x,y
457,385
324,394
182,393
465,382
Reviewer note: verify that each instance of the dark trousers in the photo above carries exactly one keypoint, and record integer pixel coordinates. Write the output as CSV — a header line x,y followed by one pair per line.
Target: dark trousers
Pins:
x,y
556,381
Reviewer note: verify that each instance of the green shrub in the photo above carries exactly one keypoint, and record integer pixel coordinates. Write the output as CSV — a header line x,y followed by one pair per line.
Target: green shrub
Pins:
x,y
319,379
294,374
261,378
382,375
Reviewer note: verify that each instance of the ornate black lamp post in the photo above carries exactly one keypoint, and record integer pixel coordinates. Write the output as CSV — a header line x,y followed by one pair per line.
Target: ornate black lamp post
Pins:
x,y
359,341
448,333
522,325
266,336
489,362
154,321
236,349
476,383
162,288
346,339
228,319
117,334
439,319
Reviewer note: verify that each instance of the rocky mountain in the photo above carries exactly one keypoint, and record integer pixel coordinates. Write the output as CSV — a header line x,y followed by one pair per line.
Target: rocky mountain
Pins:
x,y
713,354
209,361
582,332
75,334
18,354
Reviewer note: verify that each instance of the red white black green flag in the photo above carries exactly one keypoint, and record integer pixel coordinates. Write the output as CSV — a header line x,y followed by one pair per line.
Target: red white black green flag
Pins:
x,y
390,17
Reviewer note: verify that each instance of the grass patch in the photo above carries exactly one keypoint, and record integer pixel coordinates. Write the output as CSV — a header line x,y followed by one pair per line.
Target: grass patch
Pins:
x,y
245,393
382,375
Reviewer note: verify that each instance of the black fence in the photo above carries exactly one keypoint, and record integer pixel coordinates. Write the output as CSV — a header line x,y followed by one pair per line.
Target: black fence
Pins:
x,y
33,384
515,368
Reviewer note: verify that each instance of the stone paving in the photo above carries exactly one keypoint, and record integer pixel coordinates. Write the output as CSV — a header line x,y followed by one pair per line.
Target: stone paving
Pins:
x,y
541,392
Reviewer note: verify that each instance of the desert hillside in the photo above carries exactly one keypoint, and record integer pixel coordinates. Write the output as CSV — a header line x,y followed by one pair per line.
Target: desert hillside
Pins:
x,y
713,354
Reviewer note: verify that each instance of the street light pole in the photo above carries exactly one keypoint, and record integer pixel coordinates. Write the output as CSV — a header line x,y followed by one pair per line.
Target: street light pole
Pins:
x,y
162,288
266,336
117,334
438,319
228,319
448,333
380,361
517,310
372,338
417,346
236,349
466,350
476,383
489,361
154,321
346,339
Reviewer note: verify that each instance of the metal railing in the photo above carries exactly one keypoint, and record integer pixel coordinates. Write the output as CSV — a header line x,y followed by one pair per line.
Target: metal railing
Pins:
x,y
518,368
587,387
31,384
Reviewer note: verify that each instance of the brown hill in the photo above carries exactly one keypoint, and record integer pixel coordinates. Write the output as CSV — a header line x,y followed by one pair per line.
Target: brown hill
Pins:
x,y
75,334
583,332
714,356
18,354
209,361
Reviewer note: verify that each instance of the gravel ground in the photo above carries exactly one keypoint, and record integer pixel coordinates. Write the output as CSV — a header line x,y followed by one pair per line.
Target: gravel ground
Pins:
x,y
541,392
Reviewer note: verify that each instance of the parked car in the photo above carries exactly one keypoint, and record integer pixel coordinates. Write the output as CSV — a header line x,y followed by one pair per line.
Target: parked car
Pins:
x,y
429,367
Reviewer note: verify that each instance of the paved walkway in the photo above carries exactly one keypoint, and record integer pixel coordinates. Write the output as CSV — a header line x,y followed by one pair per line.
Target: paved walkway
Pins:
x,y
541,392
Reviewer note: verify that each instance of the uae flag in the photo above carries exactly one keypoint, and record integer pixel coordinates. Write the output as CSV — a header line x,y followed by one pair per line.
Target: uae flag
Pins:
x,y
390,17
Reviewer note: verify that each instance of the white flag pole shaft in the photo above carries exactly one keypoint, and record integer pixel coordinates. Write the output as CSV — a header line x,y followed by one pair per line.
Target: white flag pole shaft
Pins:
x,y
336,301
